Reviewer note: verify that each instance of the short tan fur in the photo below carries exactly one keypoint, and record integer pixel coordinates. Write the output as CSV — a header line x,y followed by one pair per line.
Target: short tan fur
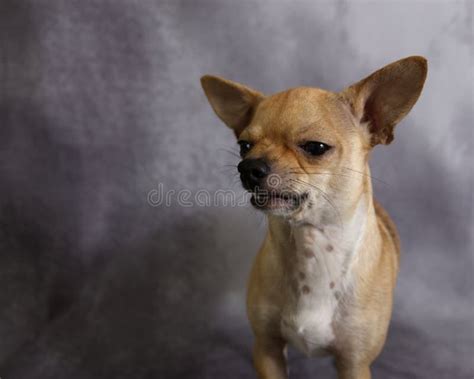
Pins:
x,y
324,277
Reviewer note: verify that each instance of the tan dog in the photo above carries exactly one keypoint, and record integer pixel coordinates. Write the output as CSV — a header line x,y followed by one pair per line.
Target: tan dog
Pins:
x,y
325,275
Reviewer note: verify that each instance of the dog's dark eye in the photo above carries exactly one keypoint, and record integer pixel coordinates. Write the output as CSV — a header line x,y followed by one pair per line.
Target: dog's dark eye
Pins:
x,y
315,148
245,147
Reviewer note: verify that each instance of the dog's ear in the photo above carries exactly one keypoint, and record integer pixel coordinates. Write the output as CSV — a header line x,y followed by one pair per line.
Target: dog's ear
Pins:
x,y
385,97
234,103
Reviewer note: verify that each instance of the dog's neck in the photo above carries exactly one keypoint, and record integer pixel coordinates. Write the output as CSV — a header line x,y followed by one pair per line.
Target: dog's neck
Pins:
x,y
319,252
334,225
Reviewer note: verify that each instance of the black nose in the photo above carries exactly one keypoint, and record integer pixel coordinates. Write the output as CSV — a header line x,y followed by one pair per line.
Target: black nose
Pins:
x,y
252,172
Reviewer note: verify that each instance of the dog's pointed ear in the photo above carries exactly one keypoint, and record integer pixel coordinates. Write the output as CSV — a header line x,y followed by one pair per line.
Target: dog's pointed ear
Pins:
x,y
385,97
234,103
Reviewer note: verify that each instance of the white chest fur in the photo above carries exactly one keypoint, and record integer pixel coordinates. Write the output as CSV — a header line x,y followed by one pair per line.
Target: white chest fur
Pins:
x,y
319,276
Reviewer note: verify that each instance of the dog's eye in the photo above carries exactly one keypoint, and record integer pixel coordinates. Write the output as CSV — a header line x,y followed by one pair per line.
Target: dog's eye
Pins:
x,y
245,147
315,148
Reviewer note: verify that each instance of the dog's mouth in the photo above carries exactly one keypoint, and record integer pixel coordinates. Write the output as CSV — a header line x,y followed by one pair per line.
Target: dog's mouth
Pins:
x,y
265,200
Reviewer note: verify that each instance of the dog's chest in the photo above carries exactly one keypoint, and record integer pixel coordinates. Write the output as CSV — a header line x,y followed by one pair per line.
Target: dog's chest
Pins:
x,y
317,279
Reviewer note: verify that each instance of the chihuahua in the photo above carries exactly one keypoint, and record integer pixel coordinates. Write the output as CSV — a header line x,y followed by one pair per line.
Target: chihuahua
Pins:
x,y
324,277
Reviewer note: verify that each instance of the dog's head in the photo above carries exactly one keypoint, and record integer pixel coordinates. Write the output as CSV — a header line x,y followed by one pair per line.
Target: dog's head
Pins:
x,y
305,145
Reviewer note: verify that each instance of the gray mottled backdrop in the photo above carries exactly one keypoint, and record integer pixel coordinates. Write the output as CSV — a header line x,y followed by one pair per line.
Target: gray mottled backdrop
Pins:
x,y
100,103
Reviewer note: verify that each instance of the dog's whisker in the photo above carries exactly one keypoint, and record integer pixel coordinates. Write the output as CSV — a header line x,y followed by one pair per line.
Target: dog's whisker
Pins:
x,y
235,154
367,175
227,170
338,174
318,173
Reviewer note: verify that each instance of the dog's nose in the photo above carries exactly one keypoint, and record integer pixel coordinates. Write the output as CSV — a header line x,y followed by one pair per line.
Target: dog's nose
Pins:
x,y
252,172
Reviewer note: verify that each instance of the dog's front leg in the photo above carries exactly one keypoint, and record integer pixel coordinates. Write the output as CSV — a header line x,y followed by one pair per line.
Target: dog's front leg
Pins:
x,y
269,355
352,370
